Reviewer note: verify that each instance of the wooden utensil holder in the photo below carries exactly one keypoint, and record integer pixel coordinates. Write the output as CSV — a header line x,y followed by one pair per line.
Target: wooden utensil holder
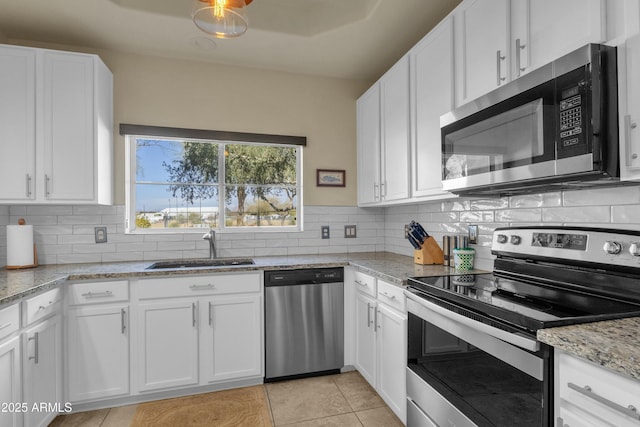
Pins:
x,y
429,253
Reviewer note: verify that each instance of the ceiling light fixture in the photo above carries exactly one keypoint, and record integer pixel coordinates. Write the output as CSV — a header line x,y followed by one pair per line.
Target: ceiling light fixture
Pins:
x,y
221,18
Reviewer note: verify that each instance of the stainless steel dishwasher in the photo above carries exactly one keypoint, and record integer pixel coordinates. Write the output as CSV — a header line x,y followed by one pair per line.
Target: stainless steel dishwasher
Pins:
x,y
304,322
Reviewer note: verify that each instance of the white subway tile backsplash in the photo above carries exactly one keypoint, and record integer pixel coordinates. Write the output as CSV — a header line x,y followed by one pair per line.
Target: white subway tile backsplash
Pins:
x,y
65,234
580,214
536,200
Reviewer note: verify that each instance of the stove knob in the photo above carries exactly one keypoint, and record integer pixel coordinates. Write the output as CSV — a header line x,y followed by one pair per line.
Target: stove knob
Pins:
x,y
634,249
502,238
612,247
515,240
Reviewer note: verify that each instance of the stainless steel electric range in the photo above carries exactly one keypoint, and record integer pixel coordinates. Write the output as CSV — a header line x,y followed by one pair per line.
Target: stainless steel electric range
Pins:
x,y
473,357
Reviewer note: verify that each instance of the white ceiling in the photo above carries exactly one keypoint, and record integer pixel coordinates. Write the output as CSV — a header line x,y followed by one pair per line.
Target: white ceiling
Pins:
x,y
354,39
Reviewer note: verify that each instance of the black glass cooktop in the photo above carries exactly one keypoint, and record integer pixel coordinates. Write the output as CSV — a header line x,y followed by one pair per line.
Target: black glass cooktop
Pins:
x,y
524,305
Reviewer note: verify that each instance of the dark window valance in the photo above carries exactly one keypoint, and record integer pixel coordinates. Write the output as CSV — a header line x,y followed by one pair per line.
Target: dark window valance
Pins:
x,y
217,135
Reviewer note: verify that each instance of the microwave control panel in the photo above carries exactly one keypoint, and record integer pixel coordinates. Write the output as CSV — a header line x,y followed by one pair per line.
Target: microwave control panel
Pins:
x,y
571,117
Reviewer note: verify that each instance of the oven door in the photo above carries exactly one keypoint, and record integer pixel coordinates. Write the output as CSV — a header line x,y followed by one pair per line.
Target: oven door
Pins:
x,y
465,373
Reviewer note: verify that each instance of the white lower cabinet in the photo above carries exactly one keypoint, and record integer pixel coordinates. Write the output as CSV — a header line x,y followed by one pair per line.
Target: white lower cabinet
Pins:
x,y
10,385
97,352
231,337
590,395
198,330
168,345
97,341
42,370
381,339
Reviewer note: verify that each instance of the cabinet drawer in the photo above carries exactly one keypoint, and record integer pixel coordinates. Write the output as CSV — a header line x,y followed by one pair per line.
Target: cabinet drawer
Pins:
x,y
187,286
9,320
598,391
391,295
365,283
41,306
98,292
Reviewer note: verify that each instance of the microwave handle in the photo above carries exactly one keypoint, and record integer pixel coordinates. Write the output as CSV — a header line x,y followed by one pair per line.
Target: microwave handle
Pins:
x,y
628,127
499,58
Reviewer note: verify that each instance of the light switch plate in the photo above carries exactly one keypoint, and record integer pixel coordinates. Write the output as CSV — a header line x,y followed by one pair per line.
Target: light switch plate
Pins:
x,y
350,232
101,234
473,234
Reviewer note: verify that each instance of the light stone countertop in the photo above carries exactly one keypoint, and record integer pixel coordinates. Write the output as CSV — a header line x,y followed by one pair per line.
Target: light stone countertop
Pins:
x,y
613,344
393,268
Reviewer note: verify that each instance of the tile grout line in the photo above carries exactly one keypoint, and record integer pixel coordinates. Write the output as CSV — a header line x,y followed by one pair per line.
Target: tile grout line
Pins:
x,y
266,392
353,411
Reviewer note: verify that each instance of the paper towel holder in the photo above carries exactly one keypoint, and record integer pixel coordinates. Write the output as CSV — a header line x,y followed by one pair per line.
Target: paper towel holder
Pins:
x,y
21,221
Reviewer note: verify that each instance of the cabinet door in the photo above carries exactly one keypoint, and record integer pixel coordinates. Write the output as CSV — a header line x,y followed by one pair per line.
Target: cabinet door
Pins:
x,y
392,359
17,123
394,116
365,357
168,345
368,128
231,337
432,96
482,57
629,94
10,386
42,363
68,126
97,352
545,36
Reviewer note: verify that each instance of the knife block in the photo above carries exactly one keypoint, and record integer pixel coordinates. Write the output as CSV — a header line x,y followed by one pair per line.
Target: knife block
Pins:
x,y
429,253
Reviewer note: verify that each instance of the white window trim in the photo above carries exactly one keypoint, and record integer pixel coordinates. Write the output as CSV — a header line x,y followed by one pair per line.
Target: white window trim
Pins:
x,y
130,202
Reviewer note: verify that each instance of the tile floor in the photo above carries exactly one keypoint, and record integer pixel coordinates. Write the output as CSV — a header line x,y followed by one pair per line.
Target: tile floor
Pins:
x,y
336,400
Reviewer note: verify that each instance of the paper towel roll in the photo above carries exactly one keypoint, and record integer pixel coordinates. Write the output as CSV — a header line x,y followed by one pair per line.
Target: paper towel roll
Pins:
x,y
19,245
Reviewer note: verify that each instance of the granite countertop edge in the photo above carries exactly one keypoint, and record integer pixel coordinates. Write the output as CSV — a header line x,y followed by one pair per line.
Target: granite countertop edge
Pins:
x,y
612,344
390,267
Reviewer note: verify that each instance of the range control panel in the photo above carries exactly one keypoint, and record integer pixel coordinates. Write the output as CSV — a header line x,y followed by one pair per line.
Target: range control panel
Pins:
x,y
603,246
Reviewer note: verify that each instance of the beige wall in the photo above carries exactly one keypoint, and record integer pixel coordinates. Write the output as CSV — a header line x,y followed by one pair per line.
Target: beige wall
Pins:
x,y
3,38
179,93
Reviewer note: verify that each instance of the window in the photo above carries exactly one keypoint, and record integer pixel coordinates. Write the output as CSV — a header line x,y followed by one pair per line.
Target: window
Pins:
x,y
180,184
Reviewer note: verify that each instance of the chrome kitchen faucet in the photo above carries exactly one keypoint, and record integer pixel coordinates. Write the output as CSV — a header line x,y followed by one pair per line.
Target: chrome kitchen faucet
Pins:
x,y
211,237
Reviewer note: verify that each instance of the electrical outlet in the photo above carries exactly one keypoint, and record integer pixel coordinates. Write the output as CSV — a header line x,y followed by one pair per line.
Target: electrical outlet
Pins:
x,y
350,232
473,234
325,231
101,234
406,231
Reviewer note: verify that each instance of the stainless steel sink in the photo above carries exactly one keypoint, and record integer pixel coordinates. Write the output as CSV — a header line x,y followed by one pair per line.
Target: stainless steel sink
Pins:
x,y
195,263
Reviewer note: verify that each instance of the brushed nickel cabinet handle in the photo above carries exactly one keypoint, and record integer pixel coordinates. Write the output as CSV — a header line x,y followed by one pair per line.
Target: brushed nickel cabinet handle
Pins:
x,y
202,287
123,315
35,338
629,126
28,185
519,47
210,313
97,294
368,315
47,179
629,411
499,58
193,313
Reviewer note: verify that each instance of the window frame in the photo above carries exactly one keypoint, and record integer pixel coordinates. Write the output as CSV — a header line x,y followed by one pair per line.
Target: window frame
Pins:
x,y
130,184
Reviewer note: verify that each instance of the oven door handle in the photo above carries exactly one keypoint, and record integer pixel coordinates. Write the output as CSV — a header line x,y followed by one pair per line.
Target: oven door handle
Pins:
x,y
509,337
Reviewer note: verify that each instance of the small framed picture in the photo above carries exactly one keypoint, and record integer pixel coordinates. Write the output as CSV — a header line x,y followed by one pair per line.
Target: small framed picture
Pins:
x,y
330,178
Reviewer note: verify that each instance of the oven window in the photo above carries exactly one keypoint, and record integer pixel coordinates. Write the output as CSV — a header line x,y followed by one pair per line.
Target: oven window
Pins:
x,y
487,390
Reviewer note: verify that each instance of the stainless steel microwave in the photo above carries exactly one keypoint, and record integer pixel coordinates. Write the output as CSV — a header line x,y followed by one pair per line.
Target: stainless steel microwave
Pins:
x,y
553,128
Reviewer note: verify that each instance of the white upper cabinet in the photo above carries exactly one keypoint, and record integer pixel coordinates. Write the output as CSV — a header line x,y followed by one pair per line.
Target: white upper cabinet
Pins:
x,y
17,123
629,113
394,101
481,47
431,96
498,41
57,147
539,36
383,138
368,128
